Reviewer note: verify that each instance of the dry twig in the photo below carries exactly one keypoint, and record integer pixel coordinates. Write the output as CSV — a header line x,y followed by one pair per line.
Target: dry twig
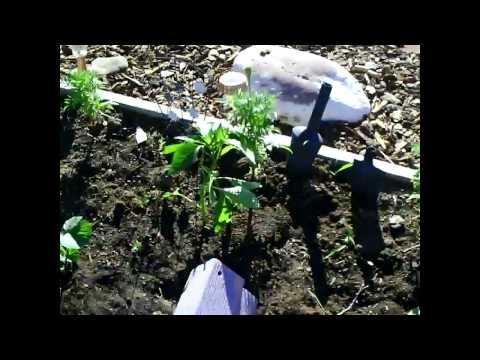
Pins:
x,y
349,307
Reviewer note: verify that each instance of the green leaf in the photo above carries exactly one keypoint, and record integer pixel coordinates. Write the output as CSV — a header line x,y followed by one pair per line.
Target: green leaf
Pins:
x,y
83,233
137,246
226,149
68,242
241,196
73,255
169,195
286,148
247,152
250,185
171,148
72,223
223,214
335,251
80,229
416,149
184,155
343,168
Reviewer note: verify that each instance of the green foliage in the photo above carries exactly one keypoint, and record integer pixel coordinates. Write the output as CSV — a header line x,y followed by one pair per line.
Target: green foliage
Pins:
x,y
335,251
84,96
170,195
253,114
416,149
348,240
349,236
206,149
342,168
76,233
137,247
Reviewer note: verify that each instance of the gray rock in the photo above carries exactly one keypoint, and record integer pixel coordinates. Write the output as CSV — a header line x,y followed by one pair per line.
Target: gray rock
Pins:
x,y
391,98
295,77
109,65
370,89
396,224
166,73
396,115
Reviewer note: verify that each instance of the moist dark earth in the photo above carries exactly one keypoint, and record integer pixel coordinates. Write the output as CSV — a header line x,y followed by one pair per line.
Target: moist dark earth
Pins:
x,y
288,264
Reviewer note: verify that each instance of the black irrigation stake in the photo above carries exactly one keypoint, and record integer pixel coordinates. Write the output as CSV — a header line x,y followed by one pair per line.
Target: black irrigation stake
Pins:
x,y
306,141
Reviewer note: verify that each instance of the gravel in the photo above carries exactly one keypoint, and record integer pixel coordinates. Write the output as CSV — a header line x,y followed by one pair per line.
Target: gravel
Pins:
x,y
390,75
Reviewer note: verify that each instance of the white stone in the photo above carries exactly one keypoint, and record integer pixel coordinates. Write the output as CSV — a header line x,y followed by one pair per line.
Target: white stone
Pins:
x,y
140,135
166,73
296,77
109,65
396,219
391,98
370,89
396,115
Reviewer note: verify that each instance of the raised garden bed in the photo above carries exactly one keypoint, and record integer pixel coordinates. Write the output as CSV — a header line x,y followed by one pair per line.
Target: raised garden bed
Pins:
x,y
290,266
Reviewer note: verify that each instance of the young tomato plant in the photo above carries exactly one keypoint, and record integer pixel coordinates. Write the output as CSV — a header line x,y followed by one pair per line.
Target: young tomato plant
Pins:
x,y
75,234
84,96
253,116
221,194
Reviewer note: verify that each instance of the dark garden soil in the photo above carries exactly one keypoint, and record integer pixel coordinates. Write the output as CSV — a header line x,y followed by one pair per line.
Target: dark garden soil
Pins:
x,y
117,185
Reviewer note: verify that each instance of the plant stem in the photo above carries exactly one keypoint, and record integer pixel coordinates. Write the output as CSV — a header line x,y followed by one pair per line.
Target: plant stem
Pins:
x,y
133,295
250,211
82,65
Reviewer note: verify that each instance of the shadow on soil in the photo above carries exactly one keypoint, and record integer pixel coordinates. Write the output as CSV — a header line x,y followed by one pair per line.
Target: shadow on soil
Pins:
x,y
305,206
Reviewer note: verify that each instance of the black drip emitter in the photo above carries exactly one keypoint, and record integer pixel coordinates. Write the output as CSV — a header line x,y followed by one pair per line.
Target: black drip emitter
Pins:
x,y
306,141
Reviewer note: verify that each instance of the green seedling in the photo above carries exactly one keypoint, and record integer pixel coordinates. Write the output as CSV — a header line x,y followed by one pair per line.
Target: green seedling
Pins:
x,y
348,240
341,169
171,195
335,251
76,233
253,115
137,247
349,237
222,195
84,97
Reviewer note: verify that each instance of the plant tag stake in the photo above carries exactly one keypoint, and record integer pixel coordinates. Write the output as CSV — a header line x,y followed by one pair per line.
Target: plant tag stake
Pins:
x,y
80,52
214,289
306,141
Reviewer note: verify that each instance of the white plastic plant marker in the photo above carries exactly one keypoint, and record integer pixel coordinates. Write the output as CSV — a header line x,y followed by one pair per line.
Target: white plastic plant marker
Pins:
x,y
140,135
214,289
232,81
249,303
